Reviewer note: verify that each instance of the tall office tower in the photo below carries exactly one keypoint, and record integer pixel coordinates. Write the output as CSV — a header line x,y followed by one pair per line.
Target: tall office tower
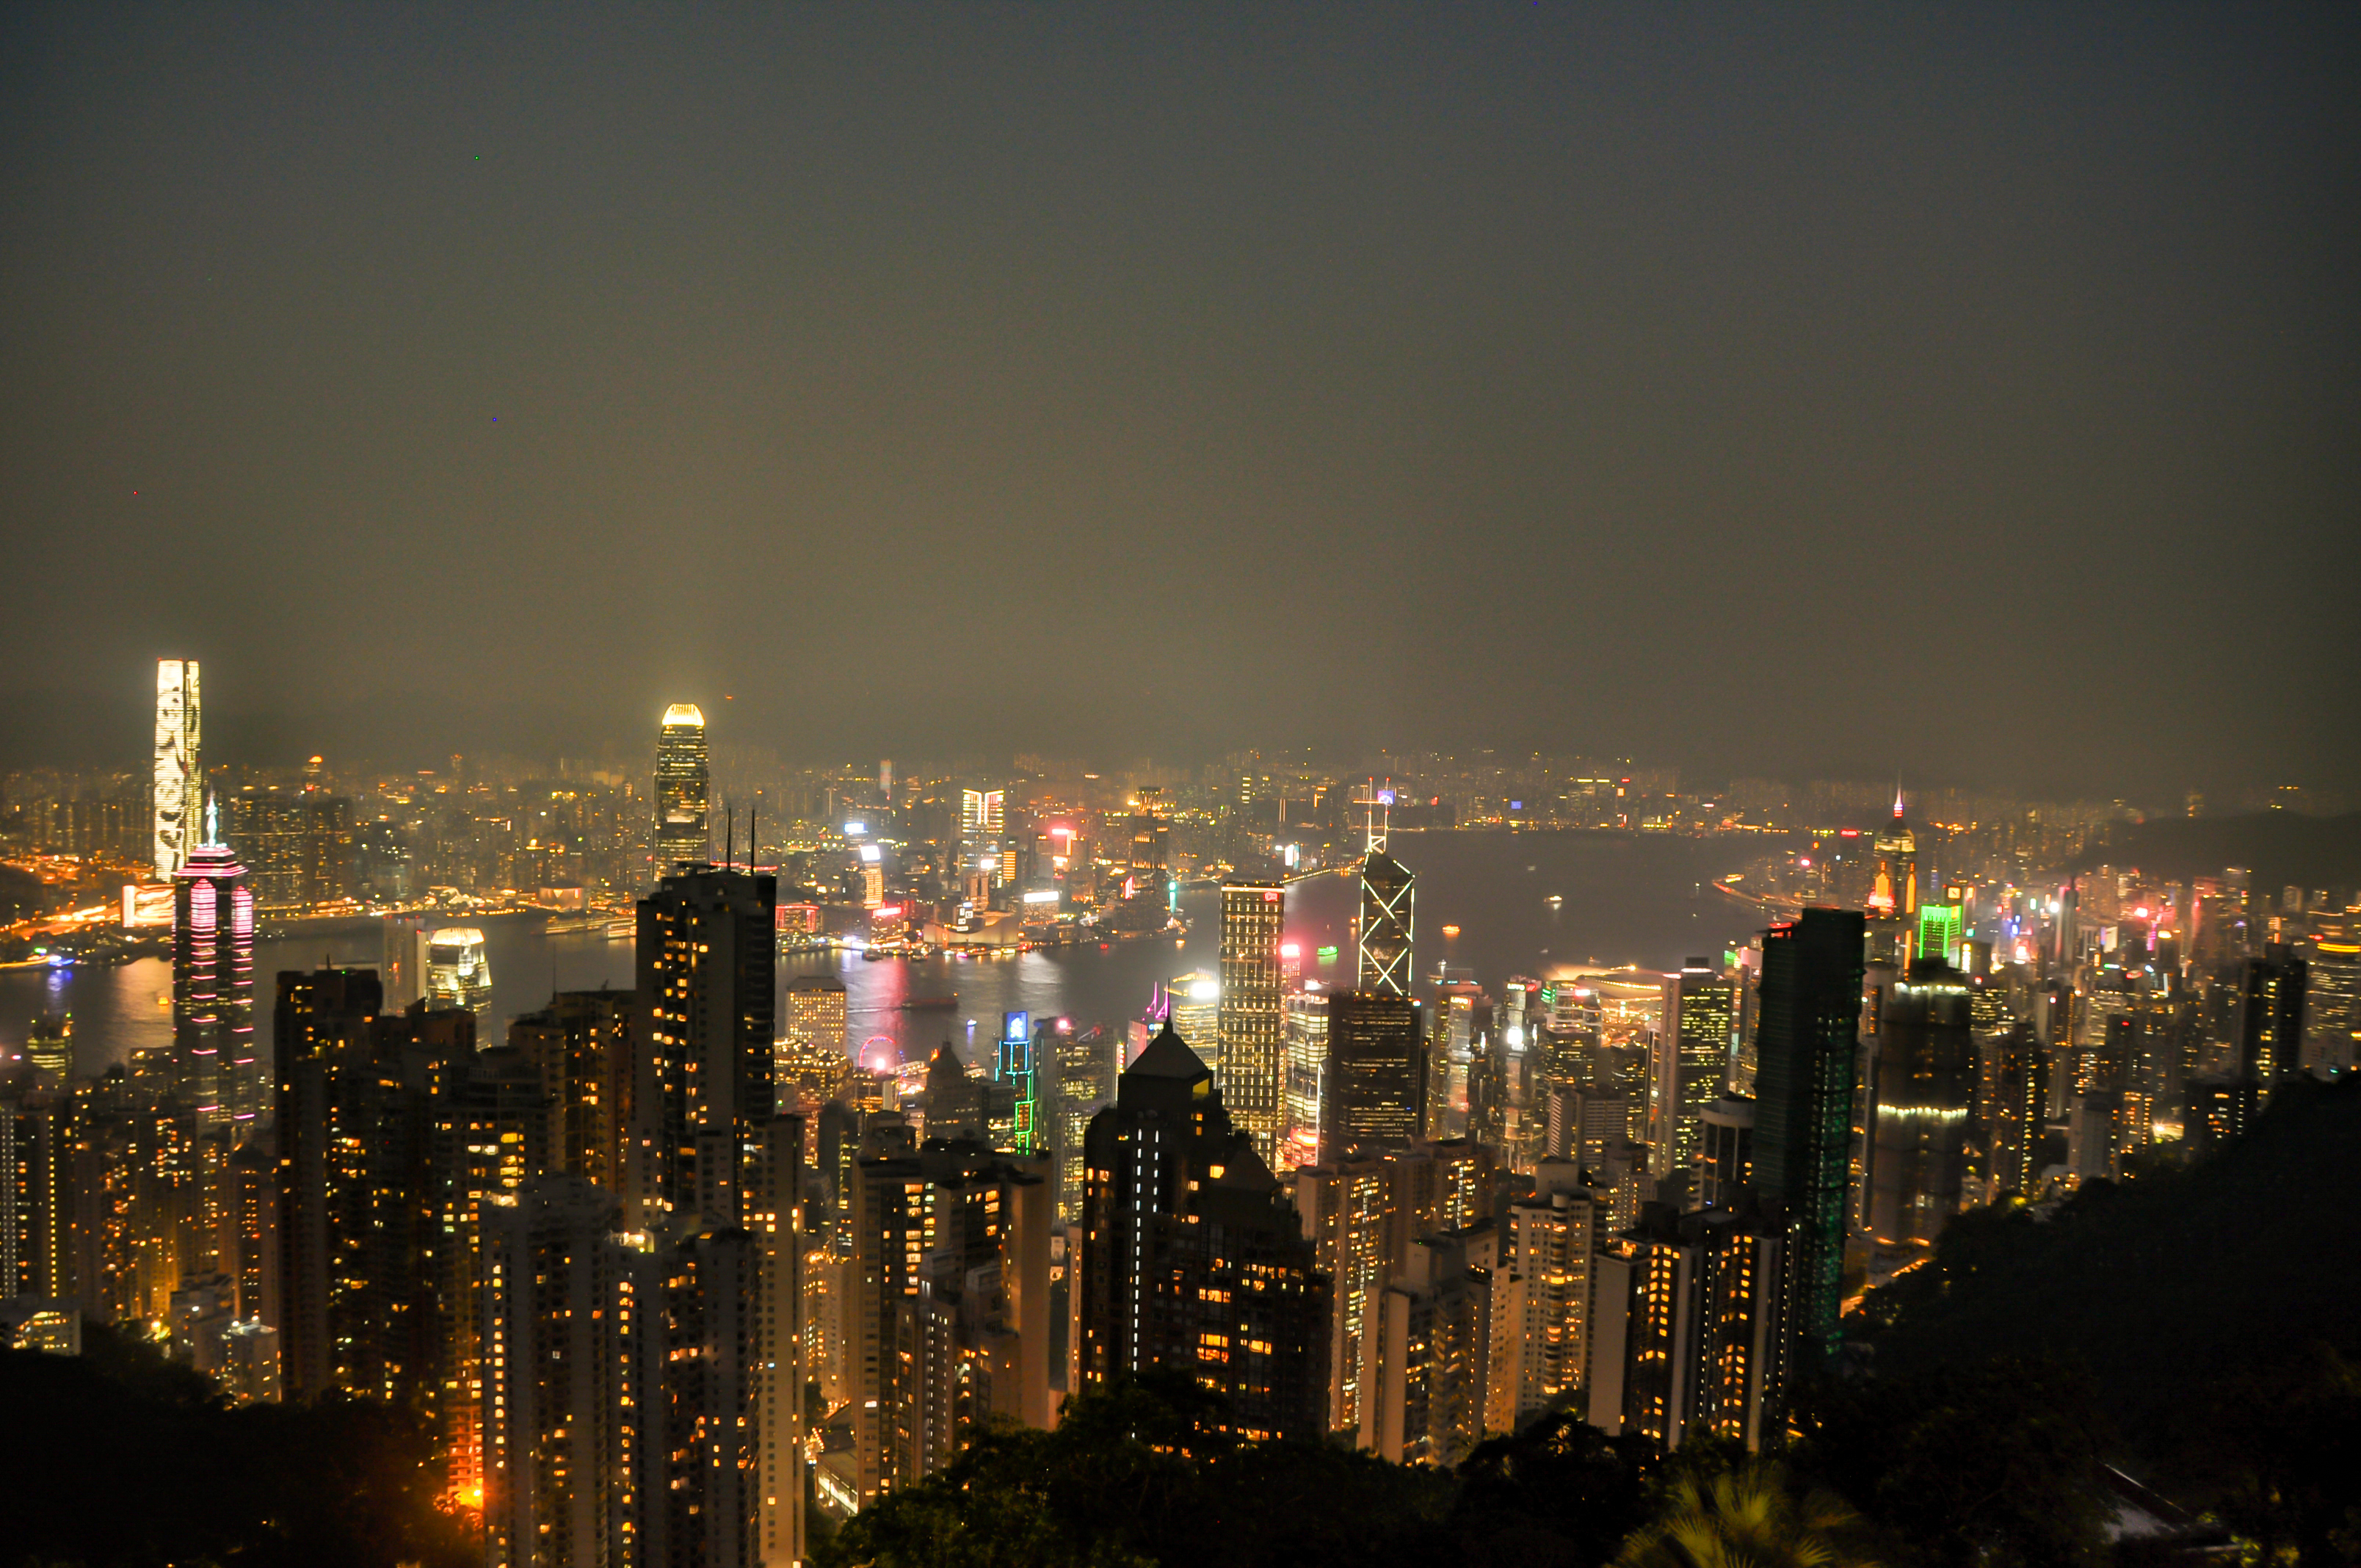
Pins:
x,y
1690,1062
954,1098
572,1345
2270,1016
1925,1072
252,1262
1688,1342
707,983
339,1274
1375,1088
1343,1205
1895,894
1149,834
458,969
1806,1053
1252,1025
580,1046
706,1469
401,968
1587,1123
2331,1006
493,1128
815,1010
179,778
1462,1032
777,1168
37,1192
1444,1185
1432,1352
948,1309
1725,1165
2015,1109
2218,932
1388,891
682,791
806,1077
984,815
1942,931
1192,1006
1305,1094
48,1050
1192,1260
212,989
1086,1063
1015,1071
1555,1238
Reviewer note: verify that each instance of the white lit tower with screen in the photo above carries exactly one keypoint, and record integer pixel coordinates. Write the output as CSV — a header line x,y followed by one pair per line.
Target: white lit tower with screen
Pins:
x,y
217,1080
683,790
178,780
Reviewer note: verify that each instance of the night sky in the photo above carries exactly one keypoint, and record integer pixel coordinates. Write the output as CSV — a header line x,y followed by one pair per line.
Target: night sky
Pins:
x,y
1970,392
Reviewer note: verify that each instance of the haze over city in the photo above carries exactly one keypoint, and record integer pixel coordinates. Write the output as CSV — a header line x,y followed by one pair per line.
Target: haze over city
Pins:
x,y
1965,393
1126,787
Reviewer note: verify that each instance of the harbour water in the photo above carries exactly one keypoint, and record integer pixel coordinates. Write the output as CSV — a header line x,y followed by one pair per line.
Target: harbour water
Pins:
x,y
1646,900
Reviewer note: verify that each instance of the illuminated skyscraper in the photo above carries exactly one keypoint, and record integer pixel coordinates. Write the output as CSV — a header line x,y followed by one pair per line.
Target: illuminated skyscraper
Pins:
x,y
2017,1071
458,974
1343,1204
1896,892
1554,1238
1690,1064
982,815
178,778
1085,1061
1431,1354
683,790
1192,1258
1388,892
1926,1076
580,1046
572,1338
1252,1023
815,1009
1688,1337
212,988
2270,1018
1807,1047
1374,1090
37,1192
949,1300
1017,1071
2331,1006
708,984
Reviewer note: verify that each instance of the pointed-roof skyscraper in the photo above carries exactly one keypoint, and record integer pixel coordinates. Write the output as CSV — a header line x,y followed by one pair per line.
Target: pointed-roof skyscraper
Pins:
x,y
1387,892
1192,1259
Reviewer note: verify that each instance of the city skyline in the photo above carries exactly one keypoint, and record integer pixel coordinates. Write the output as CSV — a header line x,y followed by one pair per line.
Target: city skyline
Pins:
x,y
1386,785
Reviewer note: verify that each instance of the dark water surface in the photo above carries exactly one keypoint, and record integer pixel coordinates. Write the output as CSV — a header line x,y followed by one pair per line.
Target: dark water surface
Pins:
x,y
1642,899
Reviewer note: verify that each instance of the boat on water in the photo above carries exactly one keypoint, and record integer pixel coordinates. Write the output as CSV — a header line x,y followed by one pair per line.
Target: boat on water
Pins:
x,y
930,1004
1555,901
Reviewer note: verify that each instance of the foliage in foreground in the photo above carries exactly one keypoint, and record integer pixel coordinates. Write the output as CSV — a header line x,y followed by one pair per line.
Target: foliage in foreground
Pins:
x,y
1748,1515
118,1459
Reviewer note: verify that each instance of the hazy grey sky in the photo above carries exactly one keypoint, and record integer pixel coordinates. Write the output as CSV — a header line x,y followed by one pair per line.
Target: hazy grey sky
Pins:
x,y
1969,390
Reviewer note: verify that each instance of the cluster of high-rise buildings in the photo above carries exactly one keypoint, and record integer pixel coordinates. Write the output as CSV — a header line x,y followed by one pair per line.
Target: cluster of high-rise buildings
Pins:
x,y
666,1267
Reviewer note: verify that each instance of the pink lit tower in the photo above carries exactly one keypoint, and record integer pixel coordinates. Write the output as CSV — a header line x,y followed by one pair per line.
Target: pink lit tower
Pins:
x,y
213,987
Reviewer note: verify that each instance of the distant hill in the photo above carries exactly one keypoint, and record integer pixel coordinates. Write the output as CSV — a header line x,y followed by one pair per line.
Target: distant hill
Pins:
x,y
2168,1289
2280,848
